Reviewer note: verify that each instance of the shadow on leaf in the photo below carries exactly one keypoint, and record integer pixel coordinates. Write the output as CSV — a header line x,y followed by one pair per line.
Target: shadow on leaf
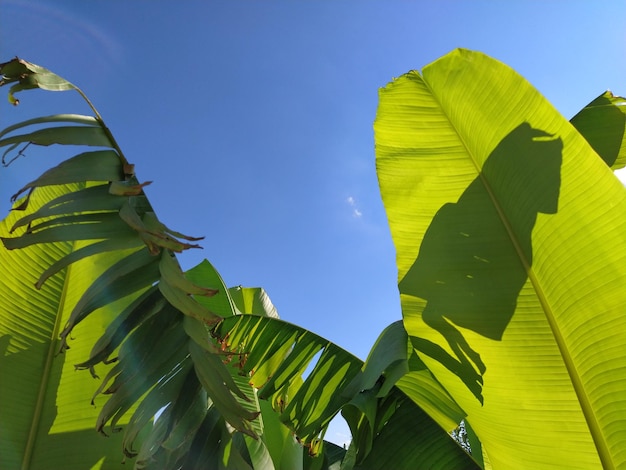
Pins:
x,y
473,260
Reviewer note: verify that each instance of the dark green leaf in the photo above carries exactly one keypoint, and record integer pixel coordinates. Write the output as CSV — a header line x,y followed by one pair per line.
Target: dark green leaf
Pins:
x,y
99,165
602,124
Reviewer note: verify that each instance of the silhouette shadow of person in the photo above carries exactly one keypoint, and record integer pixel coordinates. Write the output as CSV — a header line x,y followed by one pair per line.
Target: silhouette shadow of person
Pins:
x,y
473,259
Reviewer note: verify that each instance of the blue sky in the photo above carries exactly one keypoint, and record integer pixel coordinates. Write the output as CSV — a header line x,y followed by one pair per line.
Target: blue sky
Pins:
x,y
254,120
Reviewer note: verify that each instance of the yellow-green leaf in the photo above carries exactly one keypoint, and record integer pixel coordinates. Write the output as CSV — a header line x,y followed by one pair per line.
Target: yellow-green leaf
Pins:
x,y
46,406
510,235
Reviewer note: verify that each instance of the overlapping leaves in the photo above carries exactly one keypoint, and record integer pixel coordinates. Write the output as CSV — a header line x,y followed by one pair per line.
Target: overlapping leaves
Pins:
x,y
387,425
176,345
161,334
162,345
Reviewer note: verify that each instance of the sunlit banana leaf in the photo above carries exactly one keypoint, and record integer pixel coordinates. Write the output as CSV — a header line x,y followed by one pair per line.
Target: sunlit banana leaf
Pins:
x,y
46,415
502,216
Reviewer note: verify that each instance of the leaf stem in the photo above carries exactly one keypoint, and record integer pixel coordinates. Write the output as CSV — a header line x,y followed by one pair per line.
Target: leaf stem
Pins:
x,y
104,127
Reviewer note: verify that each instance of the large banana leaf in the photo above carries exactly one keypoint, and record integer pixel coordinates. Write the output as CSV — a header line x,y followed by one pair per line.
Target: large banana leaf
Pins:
x,y
510,235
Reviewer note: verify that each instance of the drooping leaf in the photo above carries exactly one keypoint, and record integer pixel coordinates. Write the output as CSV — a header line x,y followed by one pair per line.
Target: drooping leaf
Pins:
x,y
501,215
71,228
27,75
93,198
99,165
132,274
55,118
64,135
207,366
137,312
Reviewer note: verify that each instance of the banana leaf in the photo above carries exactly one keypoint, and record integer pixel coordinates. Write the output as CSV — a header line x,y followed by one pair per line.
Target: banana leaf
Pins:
x,y
510,237
602,123
47,420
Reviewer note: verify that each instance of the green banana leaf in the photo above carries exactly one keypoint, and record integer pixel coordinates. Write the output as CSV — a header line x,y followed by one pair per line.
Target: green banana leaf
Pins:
x,y
47,420
276,445
275,354
602,123
393,356
510,236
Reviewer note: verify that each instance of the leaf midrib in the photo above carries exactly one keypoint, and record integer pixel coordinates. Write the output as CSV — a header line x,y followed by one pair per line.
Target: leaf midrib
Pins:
x,y
45,378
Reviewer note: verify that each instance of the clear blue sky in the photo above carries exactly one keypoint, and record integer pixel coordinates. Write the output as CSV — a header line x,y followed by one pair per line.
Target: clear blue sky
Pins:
x,y
254,120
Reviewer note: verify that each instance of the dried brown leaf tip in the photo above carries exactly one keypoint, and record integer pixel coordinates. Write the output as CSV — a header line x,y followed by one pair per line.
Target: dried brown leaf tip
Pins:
x,y
129,169
209,292
123,188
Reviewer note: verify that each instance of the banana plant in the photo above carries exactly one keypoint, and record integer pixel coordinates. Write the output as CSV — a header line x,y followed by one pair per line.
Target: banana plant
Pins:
x,y
510,236
88,264
91,282
85,241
